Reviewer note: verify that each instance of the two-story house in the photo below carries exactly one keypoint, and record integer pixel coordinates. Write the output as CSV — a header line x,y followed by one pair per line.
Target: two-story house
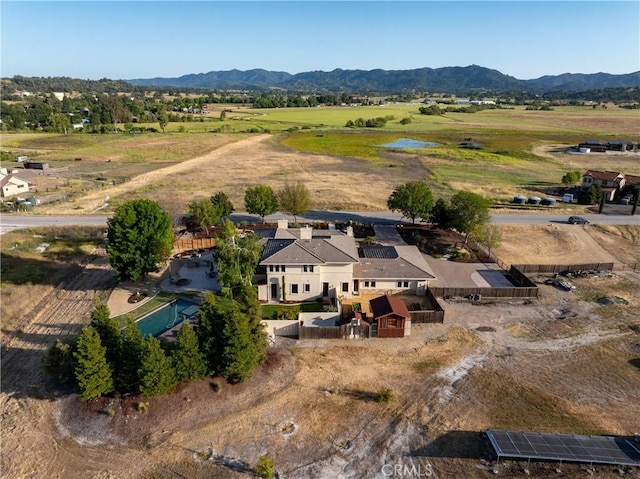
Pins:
x,y
611,182
305,264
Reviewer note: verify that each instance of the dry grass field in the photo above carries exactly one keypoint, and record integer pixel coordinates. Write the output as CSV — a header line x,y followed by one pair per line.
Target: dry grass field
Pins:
x,y
566,362
502,364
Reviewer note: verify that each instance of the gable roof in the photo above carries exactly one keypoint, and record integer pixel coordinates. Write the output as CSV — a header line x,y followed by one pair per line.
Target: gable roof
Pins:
x,y
288,248
631,180
604,175
393,262
386,305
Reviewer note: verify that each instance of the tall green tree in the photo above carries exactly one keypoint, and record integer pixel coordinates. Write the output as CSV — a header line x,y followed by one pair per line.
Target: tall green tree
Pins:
x,y
163,121
60,361
441,213
413,199
130,358
204,213
92,371
156,372
294,199
487,234
591,195
237,257
260,200
247,298
139,236
225,339
571,178
188,361
109,331
469,212
222,204
59,123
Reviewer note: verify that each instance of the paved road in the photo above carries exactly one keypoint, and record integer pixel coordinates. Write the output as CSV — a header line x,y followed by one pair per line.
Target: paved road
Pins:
x,y
9,222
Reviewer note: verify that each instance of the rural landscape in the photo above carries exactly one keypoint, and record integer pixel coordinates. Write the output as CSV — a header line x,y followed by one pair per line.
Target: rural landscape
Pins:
x,y
543,358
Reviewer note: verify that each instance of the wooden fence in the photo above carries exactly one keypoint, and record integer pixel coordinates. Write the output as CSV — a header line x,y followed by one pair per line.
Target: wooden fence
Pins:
x,y
345,331
485,292
429,316
188,244
558,268
521,279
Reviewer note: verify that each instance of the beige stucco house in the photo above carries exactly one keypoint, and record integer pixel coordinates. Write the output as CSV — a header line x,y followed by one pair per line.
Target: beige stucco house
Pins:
x,y
12,184
305,264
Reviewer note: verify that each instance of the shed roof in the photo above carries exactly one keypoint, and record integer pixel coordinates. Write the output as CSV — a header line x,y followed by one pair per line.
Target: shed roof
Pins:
x,y
386,305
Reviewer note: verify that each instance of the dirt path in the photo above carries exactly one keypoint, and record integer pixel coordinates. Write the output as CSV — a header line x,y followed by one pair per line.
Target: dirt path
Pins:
x,y
27,424
95,200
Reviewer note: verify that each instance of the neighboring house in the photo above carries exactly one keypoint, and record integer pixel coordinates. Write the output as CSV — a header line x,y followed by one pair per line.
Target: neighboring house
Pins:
x,y
611,182
391,318
305,264
12,184
631,184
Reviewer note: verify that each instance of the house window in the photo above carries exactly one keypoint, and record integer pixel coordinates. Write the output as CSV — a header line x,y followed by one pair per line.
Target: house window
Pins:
x,y
369,283
406,284
308,268
271,268
283,268
366,284
277,268
345,287
373,284
307,288
294,288
399,284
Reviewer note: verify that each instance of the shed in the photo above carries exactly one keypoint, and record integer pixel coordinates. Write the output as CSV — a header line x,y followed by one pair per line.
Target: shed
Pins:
x,y
34,165
391,317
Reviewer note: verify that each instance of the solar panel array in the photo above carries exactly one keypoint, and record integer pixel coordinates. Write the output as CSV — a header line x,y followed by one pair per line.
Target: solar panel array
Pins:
x,y
565,447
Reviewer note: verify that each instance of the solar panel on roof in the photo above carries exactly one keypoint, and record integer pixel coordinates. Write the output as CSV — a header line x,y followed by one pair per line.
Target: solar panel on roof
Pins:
x,y
565,447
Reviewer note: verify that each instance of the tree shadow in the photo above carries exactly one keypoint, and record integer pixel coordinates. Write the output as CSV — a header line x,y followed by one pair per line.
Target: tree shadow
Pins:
x,y
635,363
360,395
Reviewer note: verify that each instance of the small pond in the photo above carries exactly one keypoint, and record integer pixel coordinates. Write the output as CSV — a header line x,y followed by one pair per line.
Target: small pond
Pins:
x,y
409,143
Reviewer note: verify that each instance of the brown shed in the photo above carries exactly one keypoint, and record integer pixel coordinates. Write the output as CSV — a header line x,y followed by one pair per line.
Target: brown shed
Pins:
x,y
392,317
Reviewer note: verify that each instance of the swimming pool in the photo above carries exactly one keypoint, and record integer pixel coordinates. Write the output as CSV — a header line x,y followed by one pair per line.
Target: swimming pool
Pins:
x,y
166,317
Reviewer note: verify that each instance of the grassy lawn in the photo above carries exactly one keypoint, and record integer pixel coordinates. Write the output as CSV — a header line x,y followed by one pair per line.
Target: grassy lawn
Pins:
x,y
269,309
158,300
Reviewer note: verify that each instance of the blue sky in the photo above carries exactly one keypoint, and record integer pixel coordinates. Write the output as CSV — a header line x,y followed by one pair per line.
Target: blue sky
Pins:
x,y
144,39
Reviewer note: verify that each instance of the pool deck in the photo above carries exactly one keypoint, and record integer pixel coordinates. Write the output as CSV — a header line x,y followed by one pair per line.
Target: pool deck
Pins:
x,y
198,280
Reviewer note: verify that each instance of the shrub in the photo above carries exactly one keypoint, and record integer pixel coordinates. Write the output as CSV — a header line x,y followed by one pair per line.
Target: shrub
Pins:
x,y
289,314
265,467
143,407
384,396
216,386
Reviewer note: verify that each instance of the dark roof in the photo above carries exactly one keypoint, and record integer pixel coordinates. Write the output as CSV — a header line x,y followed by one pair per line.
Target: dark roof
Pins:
x,y
273,246
386,305
631,180
564,447
380,252
603,175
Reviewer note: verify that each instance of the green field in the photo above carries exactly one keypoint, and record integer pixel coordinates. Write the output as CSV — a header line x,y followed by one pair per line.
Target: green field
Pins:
x,y
515,156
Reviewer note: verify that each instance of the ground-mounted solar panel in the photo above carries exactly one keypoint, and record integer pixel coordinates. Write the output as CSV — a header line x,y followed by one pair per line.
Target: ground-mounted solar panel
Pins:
x,y
565,447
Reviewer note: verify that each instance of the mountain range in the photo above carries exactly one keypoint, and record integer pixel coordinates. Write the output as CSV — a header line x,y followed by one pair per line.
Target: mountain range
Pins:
x,y
446,79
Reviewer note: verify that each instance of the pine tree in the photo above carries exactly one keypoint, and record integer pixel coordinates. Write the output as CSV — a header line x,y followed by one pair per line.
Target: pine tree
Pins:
x,y
189,363
108,330
92,370
130,358
247,298
156,373
60,362
225,339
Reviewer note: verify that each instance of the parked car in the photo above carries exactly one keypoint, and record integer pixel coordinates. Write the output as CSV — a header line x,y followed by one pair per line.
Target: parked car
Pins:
x,y
578,220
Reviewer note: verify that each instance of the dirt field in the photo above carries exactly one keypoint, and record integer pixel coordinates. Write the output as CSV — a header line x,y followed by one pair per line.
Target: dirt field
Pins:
x,y
502,364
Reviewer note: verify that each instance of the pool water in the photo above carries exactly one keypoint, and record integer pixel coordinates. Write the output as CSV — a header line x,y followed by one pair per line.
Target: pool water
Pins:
x,y
409,143
166,317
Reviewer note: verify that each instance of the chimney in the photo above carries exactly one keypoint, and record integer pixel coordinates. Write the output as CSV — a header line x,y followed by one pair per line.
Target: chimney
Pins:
x,y
349,230
283,224
306,233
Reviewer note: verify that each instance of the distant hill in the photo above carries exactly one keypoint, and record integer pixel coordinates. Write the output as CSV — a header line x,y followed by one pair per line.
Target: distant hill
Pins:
x,y
447,79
